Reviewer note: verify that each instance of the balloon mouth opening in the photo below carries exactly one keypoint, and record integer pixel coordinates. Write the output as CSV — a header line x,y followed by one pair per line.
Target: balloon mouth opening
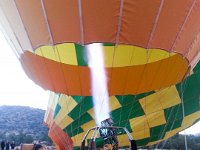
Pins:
x,y
63,73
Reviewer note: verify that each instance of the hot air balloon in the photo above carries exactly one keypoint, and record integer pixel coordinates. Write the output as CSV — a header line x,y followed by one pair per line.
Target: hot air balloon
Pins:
x,y
151,54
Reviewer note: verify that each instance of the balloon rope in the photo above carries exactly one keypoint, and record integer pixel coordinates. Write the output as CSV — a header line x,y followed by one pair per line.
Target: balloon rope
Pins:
x,y
186,146
183,25
119,21
55,49
170,115
26,32
182,91
116,44
47,69
47,22
81,21
148,44
155,24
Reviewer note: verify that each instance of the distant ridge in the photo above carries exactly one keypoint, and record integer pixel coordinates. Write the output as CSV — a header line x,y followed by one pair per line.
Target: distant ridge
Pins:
x,y
22,124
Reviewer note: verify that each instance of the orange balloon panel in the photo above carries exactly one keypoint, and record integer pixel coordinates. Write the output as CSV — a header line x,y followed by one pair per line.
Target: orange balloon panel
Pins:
x,y
76,80
169,25
60,138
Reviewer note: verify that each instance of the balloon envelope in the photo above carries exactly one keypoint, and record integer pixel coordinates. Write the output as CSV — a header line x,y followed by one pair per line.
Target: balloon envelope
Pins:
x,y
151,49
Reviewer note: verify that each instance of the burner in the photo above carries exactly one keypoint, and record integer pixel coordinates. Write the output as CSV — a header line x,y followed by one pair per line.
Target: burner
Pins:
x,y
109,134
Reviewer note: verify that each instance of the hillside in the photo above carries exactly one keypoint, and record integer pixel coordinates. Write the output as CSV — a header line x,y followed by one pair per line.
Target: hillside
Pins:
x,y
22,124
178,142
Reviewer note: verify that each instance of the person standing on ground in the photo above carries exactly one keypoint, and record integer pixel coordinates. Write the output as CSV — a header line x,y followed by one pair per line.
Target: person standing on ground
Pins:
x,y
2,145
12,145
7,145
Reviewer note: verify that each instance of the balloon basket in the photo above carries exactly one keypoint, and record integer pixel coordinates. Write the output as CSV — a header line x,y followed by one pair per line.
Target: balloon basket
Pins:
x,y
108,134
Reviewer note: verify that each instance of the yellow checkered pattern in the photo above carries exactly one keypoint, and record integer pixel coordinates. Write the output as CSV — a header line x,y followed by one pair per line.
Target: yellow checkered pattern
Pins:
x,y
152,105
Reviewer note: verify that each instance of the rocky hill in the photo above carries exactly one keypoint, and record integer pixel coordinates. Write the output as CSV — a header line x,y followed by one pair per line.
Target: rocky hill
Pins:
x,y
22,124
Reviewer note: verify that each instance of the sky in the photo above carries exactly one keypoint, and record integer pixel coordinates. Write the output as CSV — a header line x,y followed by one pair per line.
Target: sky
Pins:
x,y
17,89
